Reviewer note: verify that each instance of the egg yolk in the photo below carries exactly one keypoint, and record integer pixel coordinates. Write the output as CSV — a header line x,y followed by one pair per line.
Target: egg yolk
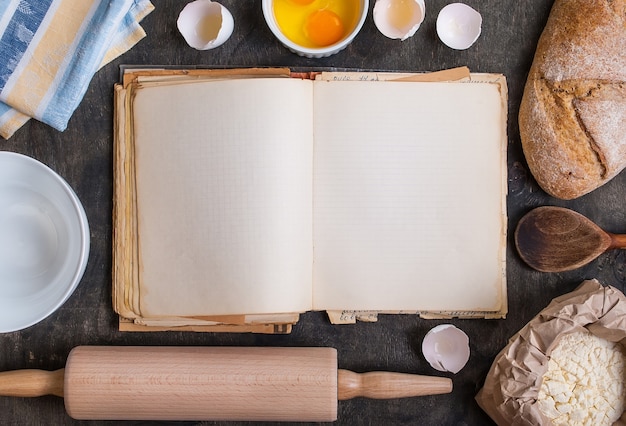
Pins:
x,y
324,28
316,23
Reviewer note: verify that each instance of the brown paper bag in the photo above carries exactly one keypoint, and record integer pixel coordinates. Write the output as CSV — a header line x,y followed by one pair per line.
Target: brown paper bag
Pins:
x,y
509,394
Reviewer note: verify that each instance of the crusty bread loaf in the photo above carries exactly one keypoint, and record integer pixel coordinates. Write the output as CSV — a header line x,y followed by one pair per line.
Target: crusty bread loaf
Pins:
x,y
573,113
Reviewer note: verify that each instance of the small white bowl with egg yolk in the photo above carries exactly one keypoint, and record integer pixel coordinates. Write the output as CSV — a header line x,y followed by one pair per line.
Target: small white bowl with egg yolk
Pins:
x,y
315,28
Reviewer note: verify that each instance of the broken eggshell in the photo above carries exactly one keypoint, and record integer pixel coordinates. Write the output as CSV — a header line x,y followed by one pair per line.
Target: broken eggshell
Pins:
x,y
458,26
398,18
205,24
446,348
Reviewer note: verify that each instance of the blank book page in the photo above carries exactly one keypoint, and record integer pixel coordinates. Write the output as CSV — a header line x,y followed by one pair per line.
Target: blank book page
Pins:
x,y
224,197
408,196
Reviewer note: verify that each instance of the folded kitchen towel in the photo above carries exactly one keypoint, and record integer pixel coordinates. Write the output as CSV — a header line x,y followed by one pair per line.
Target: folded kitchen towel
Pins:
x,y
50,50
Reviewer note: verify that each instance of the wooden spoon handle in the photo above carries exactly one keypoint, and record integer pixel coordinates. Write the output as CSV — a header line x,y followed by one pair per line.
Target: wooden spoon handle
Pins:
x,y
618,241
32,383
385,385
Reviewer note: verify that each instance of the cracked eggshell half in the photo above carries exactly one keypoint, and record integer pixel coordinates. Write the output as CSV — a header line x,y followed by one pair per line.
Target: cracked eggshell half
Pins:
x,y
205,24
446,348
458,26
398,19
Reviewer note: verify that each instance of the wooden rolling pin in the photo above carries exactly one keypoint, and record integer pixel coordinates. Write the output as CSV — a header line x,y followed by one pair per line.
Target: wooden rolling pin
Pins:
x,y
210,383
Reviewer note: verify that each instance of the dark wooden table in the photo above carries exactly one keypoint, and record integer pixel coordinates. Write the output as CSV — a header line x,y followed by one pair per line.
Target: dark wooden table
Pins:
x,y
83,156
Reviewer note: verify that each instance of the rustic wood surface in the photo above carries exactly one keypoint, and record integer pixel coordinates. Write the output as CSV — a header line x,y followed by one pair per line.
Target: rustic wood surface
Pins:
x,y
83,156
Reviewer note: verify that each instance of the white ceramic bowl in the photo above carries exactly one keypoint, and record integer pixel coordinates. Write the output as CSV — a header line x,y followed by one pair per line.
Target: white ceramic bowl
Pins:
x,y
308,52
44,241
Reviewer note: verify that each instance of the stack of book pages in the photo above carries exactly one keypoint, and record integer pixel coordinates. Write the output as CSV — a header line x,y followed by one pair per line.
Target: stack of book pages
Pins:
x,y
245,197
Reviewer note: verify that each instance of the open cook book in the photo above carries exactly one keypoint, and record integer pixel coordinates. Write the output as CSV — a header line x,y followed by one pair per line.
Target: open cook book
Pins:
x,y
246,197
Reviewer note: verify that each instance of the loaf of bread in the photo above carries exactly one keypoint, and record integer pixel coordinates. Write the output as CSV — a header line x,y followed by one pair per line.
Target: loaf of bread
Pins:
x,y
573,113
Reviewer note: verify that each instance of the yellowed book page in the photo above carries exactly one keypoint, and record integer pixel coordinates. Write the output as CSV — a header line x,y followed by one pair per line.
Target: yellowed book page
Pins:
x,y
409,205
287,318
128,325
124,230
120,263
224,177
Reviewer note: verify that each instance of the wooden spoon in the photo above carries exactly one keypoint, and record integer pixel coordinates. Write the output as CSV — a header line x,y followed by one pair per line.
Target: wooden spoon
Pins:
x,y
556,239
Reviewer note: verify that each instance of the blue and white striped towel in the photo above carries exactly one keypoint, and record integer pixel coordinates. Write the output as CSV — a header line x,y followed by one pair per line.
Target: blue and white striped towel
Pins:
x,y
50,50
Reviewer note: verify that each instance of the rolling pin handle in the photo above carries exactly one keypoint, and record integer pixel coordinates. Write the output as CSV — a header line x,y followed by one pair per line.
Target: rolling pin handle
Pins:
x,y
385,385
32,383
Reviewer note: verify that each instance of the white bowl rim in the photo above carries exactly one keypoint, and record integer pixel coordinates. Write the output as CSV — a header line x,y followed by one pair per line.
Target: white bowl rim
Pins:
x,y
84,244
311,51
